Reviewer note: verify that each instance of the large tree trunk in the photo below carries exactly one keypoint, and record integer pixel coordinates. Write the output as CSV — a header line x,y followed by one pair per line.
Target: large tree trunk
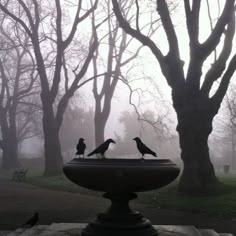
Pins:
x,y
52,147
9,151
101,117
100,124
198,173
9,158
9,146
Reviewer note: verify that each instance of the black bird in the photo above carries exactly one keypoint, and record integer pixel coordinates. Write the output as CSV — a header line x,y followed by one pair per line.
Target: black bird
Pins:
x,y
80,147
143,149
102,148
32,221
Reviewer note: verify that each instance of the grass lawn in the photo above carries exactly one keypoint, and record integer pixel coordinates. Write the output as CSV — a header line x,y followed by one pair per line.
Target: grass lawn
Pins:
x,y
60,183
221,205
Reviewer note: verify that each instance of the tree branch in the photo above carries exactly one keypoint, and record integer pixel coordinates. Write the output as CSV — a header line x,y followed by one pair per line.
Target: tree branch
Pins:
x,y
213,40
164,13
21,22
192,21
211,24
59,54
77,20
29,16
163,130
3,84
65,98
219,65
146,41
137,15
171,63
36,11
221,91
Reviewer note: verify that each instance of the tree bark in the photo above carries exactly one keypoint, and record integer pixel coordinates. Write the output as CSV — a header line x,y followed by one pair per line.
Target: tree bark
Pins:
x,y
9,146
100,123
100,119
194,128
9,157
52,147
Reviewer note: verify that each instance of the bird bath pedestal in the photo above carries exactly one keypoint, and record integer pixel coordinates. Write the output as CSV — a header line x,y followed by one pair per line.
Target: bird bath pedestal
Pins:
x,y
120,179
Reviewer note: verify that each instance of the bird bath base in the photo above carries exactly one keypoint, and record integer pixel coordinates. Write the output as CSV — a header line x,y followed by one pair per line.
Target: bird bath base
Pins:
x,y
119,219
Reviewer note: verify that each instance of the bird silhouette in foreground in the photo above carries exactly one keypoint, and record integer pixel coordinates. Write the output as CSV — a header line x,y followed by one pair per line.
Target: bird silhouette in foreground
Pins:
x,y
143,149
102,148
80,147
32,221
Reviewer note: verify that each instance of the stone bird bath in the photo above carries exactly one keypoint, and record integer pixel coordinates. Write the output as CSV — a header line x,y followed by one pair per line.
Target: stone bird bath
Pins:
x,y
120,179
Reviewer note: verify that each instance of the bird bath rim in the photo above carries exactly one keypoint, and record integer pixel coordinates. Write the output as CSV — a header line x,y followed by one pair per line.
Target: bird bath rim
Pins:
x,y
121,175
119,160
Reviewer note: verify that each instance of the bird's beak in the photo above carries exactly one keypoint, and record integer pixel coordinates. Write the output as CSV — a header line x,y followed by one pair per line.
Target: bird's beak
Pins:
x,y
113,141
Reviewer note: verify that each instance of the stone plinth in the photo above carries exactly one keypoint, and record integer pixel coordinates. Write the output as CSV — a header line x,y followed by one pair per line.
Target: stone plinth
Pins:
x,y
75,229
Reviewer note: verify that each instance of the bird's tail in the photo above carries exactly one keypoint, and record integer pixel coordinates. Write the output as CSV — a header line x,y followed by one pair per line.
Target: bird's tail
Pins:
x,y
31,222
90,154
154,154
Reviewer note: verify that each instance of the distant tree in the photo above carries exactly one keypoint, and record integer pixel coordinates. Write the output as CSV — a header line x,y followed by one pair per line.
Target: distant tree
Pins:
x,y
29,118
194,101
51,34
77,123
229,123
17,81
147,127
113,57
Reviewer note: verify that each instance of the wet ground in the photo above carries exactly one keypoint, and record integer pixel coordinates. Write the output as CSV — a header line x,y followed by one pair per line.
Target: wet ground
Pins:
x,y
19,201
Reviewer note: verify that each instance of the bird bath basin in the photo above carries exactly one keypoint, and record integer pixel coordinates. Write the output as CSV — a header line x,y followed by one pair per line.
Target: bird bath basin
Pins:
x,y
120,179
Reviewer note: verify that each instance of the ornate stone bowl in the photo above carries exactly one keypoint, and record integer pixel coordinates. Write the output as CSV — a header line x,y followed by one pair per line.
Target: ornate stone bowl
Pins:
x,y
120,179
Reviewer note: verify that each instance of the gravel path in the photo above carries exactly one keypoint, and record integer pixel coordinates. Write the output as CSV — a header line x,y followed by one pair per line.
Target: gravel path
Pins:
x,y
18,202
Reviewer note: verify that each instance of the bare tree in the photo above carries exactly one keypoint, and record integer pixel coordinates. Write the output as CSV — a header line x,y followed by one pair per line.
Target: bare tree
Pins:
x,y
17,74
229,122
160,123
77,123
147,127
44,26
114,54
29,116
194,105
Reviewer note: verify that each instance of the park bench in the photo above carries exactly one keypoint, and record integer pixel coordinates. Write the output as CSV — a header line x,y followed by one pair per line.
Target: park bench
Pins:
x,y
19,175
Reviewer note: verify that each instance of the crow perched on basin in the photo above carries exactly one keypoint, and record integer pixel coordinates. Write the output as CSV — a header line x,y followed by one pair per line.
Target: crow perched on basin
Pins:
x,y
80,147
143,149
102,148
32,221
